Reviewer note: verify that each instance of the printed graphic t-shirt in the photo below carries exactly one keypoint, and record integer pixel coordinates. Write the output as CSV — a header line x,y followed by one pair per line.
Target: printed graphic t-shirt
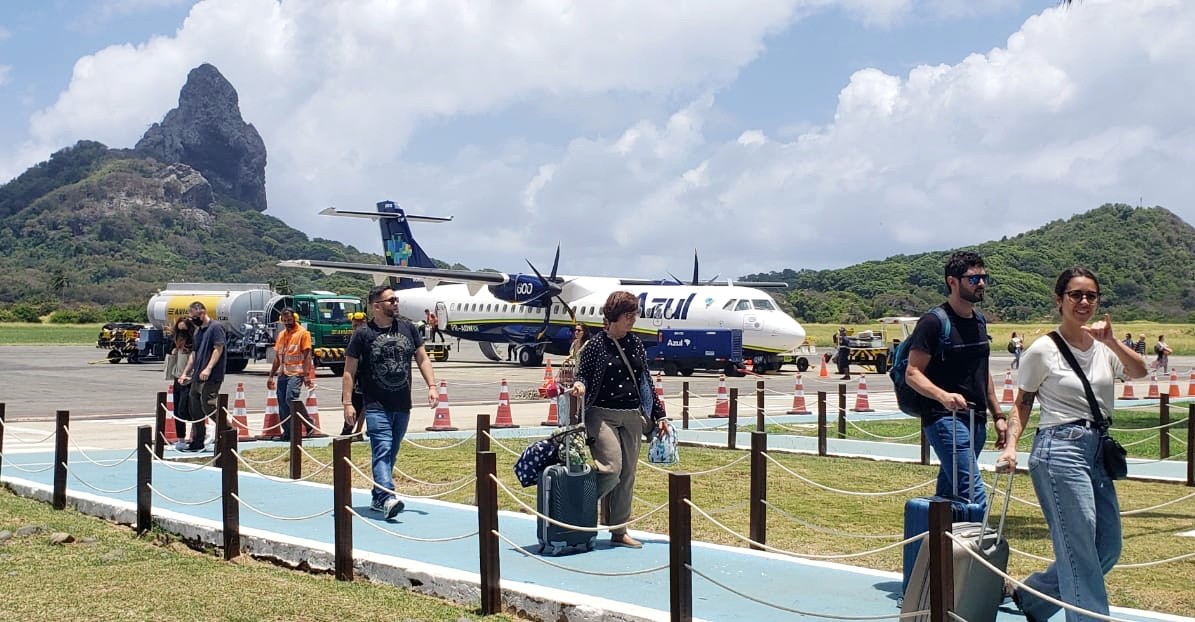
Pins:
x,y
384,363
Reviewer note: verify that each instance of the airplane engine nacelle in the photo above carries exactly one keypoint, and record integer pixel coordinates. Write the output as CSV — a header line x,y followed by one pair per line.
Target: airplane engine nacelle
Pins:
x,y
526,289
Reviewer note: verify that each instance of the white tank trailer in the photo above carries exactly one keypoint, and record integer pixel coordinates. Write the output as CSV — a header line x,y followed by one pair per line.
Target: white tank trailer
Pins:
x,y
245,309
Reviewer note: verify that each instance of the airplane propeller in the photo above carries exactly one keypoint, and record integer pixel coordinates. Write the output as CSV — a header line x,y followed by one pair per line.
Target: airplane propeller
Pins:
x,y
552,289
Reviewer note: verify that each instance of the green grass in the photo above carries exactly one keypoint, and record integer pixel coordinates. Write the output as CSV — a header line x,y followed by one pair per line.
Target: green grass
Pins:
x,y
16,334
122,576
797,505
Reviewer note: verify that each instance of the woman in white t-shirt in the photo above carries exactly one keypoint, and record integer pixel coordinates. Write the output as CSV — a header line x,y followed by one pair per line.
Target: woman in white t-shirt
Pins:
x,y
1077,497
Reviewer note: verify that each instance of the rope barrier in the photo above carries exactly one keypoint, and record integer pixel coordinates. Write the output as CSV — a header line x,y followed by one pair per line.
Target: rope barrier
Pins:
x,y
434,448
827,530
248,460
846,492
504,447
595,573
424,483
372,482
96,488
799,611
1149,429
1018,584
372,523
697,473
49,465
313,458
275,478
98,463
173,500
791,553
29,442
275,516
886,438
170,464
549,519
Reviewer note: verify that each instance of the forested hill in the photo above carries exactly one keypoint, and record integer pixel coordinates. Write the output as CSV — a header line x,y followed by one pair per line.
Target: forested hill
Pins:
x,y
1144,257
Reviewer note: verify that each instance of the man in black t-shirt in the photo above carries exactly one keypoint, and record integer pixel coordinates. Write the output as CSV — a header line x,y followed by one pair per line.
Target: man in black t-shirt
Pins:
x,y
952,377
379,356
205,373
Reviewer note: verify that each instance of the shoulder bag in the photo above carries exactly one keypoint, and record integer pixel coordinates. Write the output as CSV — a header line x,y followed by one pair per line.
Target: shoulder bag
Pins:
x,y
647,394
1115,463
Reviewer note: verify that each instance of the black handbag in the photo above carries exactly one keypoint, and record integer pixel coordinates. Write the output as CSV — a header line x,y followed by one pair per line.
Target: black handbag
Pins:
x,y
1114,453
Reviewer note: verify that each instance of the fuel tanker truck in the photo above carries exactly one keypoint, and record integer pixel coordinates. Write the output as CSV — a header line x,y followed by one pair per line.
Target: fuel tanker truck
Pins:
x,y
249,313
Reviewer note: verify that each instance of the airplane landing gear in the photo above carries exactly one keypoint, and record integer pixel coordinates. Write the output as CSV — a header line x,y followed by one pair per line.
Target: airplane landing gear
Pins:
x,y
531,356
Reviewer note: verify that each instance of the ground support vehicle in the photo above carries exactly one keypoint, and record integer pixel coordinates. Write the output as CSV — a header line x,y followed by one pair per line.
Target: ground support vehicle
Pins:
x,y
249,313
799,355
437,352
684,351
873,349
124,340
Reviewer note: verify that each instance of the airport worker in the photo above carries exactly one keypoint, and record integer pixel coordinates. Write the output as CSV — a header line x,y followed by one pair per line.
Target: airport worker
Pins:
x,y
204,372
358,320
953,379
433,327
1067,464
379,355
176,365
844,354
295,368
611,377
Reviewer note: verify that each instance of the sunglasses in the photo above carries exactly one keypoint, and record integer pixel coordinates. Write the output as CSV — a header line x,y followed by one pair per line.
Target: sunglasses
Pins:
x,y
391,300
1078,296
975,279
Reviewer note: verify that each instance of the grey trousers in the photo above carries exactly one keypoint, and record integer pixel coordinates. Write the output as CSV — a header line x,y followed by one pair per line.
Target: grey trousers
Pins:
x,y
618,434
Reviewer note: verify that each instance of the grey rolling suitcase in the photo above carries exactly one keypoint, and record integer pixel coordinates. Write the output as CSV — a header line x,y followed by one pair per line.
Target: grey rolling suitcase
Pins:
x,y
978,591
568,495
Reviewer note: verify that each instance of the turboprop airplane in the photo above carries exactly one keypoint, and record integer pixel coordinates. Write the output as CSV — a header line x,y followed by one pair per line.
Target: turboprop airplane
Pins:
x,y
536,313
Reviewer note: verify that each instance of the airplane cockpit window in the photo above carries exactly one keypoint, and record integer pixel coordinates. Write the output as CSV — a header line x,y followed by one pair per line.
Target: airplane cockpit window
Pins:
x,y
763,305
744,305
729,306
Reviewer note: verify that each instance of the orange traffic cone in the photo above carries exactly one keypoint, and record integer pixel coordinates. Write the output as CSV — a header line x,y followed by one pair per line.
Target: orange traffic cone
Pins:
x,y
1174,384
553,419
861,404
1153,387
271,427
312,422
168,432
240,415
443,420
823,372
1008,397
548,378
799,407
503,419
1191,384
1128,392
722,404
659,387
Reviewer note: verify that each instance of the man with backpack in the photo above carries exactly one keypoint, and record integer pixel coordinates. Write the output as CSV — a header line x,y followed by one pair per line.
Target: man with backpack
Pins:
x,y
947,374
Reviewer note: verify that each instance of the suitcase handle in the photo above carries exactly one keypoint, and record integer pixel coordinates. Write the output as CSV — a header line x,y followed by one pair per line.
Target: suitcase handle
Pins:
x,y
987,512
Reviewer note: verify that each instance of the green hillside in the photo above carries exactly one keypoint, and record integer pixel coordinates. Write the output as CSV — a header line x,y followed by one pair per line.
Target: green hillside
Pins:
x,y
96,226
1143,256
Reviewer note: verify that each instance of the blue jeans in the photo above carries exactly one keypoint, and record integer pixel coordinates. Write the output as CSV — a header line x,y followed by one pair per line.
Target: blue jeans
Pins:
x,y
385,429
289,389
948,436
1079,502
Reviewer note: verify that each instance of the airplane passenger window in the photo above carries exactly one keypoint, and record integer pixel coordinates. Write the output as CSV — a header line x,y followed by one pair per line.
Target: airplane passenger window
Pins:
x,y
729,306
744,305
763,305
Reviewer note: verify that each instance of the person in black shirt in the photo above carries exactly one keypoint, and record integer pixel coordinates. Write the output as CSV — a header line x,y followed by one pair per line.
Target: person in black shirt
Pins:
x,y
952,376
610,376
379,355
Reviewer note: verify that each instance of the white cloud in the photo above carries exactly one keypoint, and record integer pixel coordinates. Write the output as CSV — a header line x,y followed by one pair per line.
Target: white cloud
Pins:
x,y
4,33
1082,106
5,71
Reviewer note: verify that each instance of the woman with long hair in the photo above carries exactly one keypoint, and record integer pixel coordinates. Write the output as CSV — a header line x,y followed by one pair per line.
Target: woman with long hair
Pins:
x,y
1066,464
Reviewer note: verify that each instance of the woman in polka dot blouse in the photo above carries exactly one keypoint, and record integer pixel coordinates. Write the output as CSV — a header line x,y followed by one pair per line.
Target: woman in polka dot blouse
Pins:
x,y
614,422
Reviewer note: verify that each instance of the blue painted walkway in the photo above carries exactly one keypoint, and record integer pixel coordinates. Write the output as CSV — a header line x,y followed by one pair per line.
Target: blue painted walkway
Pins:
x,y
810,586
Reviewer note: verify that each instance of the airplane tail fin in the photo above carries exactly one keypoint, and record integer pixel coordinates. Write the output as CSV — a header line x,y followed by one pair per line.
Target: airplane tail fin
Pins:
x,y
399,244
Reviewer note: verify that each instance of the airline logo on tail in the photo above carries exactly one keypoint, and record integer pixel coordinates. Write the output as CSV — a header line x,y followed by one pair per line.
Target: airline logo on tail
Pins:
x,y
400,246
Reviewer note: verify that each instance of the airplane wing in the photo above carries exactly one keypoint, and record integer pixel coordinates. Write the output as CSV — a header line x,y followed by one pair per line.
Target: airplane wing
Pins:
x,y
755,284
430,276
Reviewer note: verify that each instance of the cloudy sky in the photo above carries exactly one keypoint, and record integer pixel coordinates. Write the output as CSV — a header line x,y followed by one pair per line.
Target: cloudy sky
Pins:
x,y
767,134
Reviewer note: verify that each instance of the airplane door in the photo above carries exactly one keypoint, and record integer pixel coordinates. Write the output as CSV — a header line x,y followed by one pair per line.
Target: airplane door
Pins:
x,y
442,315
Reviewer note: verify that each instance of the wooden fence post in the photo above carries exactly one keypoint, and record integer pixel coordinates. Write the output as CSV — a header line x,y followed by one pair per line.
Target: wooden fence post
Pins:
x,y
144,477
759,489
732,424
680,548
159,440
232,507
684,405
342,501
487,525
62,420
841,410
822,423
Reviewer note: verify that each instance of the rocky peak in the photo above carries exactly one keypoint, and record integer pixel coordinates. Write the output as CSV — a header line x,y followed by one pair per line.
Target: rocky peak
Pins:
x,y
206,132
